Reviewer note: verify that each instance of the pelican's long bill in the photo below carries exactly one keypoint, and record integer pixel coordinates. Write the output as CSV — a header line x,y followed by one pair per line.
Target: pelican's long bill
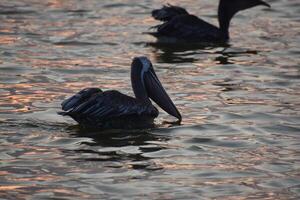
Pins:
x,y
158,94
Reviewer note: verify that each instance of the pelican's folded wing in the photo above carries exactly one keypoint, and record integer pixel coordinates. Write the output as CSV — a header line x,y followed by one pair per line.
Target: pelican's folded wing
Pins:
x,y
110,104
79,98
187,27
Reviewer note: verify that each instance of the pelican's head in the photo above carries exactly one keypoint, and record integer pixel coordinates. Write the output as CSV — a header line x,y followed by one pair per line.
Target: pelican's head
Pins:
x,y
146,85
228,8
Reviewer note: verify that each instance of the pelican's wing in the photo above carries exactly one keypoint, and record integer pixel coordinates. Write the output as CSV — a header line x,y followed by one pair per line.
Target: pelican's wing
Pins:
x,y
110,104
79,98
186,27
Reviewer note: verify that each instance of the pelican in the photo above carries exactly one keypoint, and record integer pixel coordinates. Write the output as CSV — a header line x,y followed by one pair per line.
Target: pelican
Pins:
x,y
94,108
180,26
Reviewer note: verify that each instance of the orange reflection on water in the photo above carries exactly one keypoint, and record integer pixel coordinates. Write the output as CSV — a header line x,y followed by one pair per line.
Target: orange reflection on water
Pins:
x,y
112,21
64,33
5,30
24,95
2,173
55,3
8,39
10,187
41,177
63,63
111,84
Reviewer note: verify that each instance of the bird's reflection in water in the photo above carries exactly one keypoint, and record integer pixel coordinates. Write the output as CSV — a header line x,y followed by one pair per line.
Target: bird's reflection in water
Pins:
x,y
121,146
227,55
220,53
120,138
184,53
223,60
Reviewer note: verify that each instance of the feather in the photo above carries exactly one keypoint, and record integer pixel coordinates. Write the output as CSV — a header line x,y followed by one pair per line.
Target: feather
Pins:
x,y
78,98
168,12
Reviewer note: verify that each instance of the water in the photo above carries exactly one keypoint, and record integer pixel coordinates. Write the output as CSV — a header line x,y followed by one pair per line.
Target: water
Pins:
x,y
239,138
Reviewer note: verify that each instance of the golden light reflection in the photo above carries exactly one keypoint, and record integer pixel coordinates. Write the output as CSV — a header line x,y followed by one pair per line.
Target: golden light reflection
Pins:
x,y
64,33
56,3
114,21
2,173
111,84
23,98
8,39
6,30
64,63
74,63
10,187
41,177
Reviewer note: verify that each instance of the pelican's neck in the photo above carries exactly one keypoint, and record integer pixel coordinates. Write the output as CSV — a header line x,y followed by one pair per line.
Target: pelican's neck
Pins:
x,y
225,14
138,86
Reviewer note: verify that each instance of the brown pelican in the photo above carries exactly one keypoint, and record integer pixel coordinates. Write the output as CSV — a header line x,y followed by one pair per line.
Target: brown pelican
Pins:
x,y
179,25
93,108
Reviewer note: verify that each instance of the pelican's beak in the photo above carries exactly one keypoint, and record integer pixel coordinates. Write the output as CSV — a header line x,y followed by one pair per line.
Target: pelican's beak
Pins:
x,y
158,94
264,3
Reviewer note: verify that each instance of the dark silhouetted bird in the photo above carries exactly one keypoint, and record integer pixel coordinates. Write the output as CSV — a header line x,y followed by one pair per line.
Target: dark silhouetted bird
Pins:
x,y
94,108
179,25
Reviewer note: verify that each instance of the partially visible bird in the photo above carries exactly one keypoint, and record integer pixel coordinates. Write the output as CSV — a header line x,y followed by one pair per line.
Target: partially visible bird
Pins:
x,y
178,25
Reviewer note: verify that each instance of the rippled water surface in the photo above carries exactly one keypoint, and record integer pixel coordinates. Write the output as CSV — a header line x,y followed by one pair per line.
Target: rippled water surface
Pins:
x,y
239,138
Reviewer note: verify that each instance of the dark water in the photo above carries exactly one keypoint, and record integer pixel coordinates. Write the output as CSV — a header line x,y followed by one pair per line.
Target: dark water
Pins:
x,y
240,135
